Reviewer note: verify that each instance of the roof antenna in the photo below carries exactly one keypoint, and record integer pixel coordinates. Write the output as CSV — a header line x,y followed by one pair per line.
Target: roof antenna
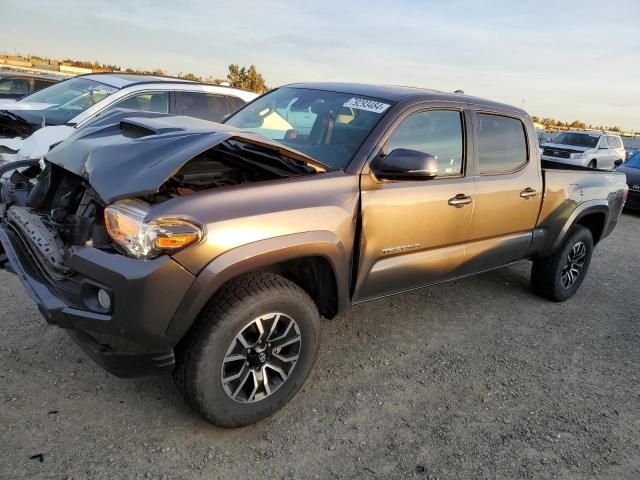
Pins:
x,y
461,92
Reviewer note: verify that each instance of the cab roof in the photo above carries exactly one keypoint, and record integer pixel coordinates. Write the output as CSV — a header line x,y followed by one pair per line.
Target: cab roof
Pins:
x,y
395,93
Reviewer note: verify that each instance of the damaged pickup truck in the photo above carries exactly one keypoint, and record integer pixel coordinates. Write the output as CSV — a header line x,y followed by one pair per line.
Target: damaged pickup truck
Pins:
x,y
212,250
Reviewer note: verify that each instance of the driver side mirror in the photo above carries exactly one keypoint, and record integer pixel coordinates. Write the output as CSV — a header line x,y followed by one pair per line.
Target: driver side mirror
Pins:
x,y
406,164
618,162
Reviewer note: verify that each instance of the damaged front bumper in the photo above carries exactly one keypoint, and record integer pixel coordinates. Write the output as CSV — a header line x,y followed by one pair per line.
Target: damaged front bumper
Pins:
x,y
129,338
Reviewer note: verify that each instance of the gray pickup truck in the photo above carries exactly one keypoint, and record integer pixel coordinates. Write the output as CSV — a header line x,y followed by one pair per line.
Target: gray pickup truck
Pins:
x,y
212,250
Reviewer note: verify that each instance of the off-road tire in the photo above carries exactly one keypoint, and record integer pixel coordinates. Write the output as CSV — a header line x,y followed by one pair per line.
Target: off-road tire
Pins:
x,y
546,274
200,354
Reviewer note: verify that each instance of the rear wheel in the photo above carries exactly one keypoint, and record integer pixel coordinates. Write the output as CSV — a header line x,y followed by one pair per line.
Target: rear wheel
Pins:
x,y
250,351
559,276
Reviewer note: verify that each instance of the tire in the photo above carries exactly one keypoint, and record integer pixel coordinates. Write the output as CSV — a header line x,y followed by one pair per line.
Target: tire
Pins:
x,y
547,279
240,305
593,164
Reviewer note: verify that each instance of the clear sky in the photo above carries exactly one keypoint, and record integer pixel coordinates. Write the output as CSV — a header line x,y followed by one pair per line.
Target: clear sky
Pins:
x,y
564,59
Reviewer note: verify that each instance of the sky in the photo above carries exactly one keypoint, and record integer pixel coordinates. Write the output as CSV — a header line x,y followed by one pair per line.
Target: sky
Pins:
x,y
570,60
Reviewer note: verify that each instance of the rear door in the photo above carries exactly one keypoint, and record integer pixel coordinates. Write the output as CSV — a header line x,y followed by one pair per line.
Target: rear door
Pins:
x,y
414,231
207,106
508,193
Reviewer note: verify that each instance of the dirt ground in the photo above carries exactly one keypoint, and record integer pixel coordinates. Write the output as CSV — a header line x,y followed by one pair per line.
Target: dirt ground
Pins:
x,y
473,379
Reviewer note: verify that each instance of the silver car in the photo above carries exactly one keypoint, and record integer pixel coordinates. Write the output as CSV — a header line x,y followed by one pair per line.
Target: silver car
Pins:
x,y
585,149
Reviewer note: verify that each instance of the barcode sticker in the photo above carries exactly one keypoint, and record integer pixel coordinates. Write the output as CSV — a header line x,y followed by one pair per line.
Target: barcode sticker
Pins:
x,y
368,105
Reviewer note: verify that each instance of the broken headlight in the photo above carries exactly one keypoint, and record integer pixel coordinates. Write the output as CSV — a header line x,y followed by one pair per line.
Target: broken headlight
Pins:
x,y
125,222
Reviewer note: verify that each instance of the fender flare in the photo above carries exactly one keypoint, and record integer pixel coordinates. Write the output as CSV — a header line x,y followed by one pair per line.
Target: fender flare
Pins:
x,y
581,211
254,256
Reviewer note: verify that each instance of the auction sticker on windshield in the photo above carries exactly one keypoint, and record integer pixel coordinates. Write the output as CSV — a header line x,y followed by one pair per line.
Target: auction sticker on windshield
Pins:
x,y
368,105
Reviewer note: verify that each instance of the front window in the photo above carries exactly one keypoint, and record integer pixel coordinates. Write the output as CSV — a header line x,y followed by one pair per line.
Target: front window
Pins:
x,y
65,100
327,126
585,140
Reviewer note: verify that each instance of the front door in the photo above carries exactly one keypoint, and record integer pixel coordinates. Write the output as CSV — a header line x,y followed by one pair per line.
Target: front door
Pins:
x,y
414,232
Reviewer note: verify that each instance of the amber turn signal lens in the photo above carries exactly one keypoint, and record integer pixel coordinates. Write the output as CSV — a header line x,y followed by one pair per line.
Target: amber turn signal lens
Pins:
x,y
176,241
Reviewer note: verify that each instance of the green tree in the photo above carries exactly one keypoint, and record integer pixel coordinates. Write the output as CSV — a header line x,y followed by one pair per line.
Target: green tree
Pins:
x,y
246,78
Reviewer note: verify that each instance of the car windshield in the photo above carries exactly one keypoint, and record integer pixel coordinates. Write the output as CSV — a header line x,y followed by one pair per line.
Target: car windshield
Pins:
x,y
586,140
327,126
634,161
67,99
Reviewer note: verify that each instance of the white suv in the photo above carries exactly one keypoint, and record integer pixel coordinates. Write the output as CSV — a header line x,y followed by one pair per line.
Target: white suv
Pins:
x,y
586,149
30,126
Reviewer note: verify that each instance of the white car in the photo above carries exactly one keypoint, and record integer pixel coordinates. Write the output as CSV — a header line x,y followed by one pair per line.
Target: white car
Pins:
x,y
30,126
586,149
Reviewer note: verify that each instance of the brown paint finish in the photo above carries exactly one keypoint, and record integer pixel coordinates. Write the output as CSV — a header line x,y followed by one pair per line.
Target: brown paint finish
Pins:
x,y
397,214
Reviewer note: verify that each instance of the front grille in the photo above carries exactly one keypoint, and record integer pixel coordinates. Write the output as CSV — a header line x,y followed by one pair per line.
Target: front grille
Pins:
x,y
556,152
68,288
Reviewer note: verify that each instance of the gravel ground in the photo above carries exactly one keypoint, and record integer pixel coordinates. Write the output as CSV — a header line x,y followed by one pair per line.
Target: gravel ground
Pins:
x,y
473,379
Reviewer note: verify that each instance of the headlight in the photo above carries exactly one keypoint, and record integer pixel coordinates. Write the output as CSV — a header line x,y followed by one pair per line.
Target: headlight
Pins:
x,y
125,222
579,155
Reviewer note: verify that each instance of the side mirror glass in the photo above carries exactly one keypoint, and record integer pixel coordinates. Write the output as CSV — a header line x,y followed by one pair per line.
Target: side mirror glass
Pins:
x,y
406,164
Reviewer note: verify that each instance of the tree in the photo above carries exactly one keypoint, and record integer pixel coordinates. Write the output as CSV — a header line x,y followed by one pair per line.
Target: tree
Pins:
x,y
247,78
191,76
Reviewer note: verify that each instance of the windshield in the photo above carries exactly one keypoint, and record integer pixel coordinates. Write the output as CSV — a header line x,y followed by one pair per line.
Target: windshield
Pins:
x,y
586,140
634,161
68,99
327,126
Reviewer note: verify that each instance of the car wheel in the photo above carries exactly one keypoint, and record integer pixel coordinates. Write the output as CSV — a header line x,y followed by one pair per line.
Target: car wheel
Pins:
x,y
592,164
559,276
250,351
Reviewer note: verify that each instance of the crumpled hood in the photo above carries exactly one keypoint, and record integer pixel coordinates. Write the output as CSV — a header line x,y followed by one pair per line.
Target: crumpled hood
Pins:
x,y
123,156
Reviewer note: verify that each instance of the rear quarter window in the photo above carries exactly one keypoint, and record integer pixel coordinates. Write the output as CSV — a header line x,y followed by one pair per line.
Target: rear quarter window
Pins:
x,y
502,144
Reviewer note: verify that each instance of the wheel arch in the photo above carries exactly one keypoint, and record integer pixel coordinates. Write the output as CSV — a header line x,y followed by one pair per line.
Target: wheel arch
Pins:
x,y
592,215
316,261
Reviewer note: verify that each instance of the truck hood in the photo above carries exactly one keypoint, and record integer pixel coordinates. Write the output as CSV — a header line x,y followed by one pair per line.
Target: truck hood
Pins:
x,y
13,124
123,156
570,148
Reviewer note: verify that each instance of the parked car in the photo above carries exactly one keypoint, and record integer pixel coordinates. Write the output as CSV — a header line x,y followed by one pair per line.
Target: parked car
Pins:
x,y
174,244
631,145
30,126
15,85
586,149
631,168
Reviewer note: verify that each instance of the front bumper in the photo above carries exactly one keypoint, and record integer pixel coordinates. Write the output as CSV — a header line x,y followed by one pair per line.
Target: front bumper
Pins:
x,y
129,340
580,162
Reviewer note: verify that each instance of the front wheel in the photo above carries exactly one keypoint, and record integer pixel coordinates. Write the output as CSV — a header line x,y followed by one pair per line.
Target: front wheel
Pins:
x,y
559,276
250,351
592,164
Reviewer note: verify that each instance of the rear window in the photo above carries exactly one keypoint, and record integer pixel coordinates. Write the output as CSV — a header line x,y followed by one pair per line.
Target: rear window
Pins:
x,y
502,144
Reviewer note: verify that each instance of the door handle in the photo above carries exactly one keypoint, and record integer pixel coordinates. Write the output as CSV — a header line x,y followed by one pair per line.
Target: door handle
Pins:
x,y
460,200
528,193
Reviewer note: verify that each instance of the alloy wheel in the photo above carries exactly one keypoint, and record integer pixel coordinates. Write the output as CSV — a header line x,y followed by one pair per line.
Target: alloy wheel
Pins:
x,y
261,358
575,264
